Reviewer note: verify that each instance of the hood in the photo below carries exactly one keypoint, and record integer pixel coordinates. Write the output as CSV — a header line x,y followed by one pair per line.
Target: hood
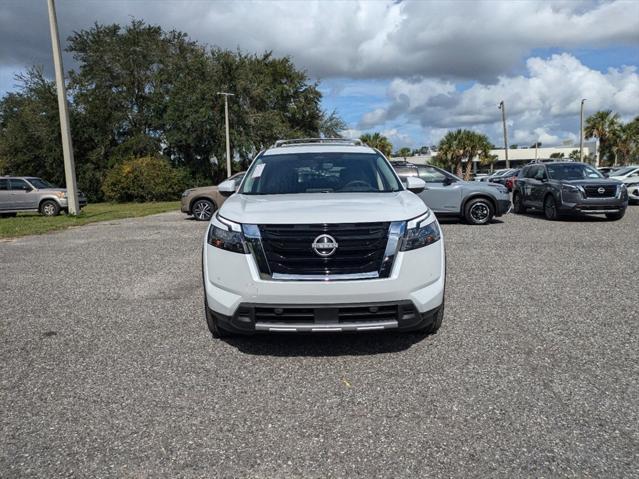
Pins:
x,y
313,208
592,181
203,189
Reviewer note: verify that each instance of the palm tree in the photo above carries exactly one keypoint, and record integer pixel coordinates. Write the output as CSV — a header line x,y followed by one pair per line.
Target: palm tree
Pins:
x,y
379,141
460,145
450,151
475,145
603,125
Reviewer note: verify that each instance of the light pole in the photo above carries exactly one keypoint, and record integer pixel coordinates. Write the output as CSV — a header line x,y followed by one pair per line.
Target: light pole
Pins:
x,y
581,131
502,107
228,143
63,108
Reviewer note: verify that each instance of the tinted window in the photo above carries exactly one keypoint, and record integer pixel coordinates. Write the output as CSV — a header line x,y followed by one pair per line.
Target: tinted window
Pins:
x,y
17,184
530,171
319,173
430,174
4,184
572,171
39,183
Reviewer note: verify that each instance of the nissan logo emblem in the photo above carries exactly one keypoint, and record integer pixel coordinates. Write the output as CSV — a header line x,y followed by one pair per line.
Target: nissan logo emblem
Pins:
x,y
324,245
601,190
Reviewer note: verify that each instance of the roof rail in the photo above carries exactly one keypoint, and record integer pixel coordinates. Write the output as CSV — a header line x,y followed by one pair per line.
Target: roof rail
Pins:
x,y
305,141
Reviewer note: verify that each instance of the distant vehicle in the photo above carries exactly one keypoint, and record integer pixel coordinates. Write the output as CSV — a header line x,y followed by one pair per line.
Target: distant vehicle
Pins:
x,y
629,175
446,194
29,193
559,188
204,201
510,181
607,170
496,174
480,176
506,178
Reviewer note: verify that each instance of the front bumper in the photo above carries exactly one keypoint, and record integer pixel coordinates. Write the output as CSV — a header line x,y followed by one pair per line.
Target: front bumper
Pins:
x,y
503,207
633,193
185,206
235,292
595,206
328,318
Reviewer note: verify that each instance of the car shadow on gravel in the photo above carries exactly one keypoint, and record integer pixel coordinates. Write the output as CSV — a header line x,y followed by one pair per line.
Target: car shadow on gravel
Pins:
x,y
316,345
539,215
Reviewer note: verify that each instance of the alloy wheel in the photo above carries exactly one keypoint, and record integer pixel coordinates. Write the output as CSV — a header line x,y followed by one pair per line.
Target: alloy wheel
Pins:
x,y
202,210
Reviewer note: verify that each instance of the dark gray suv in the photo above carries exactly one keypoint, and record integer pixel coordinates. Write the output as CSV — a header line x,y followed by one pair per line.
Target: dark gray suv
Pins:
x,y
563,187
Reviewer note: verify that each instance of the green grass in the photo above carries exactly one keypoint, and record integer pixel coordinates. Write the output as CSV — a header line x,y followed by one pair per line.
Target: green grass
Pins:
x,y
34,224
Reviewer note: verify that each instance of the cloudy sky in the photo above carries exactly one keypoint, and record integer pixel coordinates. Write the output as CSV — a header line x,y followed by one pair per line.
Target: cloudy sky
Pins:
x,y
412,70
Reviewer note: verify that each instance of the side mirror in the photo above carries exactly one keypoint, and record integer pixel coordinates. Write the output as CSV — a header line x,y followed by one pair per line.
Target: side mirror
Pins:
x,y
414,184
227,187
606,175
448,181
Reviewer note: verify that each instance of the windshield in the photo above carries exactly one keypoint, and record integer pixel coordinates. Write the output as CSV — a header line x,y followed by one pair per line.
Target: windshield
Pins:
x,y
574,171
39,183
623,171
320,173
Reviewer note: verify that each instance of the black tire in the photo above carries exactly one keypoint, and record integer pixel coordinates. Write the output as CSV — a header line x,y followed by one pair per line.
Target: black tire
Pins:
x,y
202,210
216,331
518,204
616,216
8,215
479,211
433,327
550,208
49,208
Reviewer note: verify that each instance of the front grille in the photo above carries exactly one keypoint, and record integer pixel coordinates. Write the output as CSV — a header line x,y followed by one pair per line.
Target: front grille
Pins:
x,y
382,312
592,191
288,248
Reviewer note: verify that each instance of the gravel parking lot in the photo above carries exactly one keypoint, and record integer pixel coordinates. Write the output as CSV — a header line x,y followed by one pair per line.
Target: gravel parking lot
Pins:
x,y
108,370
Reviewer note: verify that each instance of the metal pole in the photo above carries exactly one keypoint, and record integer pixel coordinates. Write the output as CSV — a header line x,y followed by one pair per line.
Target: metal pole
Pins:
x,y
63,107
502,107
581,131
228,143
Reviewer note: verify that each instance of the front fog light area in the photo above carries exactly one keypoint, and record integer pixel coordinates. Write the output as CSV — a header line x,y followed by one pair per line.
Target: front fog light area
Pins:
x,y
421,235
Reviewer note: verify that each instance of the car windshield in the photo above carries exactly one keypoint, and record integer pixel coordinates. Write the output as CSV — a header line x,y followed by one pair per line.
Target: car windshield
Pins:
x,y
572,171
40,183
623,171
320,173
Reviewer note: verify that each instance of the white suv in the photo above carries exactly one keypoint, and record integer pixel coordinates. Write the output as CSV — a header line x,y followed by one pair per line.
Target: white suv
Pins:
x,y
321,236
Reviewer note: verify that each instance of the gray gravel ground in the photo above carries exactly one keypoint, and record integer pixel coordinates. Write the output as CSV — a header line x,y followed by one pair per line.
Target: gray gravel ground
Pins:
x,y
108,370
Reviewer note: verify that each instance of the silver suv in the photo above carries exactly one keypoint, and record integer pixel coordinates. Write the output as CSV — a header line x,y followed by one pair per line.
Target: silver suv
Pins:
x,y
447,195
28,193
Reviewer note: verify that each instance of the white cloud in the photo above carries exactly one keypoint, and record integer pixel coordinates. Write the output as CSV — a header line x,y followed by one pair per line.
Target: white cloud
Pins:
x,y
366,39
542,105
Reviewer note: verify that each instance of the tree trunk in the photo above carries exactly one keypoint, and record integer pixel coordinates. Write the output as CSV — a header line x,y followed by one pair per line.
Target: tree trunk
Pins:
x,y
469,167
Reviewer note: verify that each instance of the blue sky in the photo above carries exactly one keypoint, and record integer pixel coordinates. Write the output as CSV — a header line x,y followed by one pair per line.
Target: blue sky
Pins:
x,y
412,70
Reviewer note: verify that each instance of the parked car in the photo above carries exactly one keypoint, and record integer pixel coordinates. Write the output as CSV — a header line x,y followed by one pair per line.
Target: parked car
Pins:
x,y
629,175
559,188
496,174
506,178
202,202
607,170
446,194
29,193
510,182
321,236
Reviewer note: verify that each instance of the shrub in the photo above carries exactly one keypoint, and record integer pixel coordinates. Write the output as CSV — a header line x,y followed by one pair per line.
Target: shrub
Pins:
x,y
144,179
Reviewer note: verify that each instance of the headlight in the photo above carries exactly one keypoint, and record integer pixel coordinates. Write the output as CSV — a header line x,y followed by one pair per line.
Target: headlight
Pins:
x,y
419,234
61,194
225,234
570,189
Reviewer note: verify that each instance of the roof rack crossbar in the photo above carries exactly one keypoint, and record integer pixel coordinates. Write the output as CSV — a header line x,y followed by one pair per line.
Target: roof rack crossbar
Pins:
x,y
304,141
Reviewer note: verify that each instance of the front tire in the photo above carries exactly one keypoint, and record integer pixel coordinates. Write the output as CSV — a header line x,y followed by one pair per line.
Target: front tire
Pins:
x,y
49,208
479,211
433,327
202,210
518,204
616,216
550,208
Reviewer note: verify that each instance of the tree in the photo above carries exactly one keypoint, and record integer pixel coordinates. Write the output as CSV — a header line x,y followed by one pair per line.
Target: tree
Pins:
x,y
403,152
331,125
30,142
574,155
603,125
625,142
557,155
460,145
379,141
